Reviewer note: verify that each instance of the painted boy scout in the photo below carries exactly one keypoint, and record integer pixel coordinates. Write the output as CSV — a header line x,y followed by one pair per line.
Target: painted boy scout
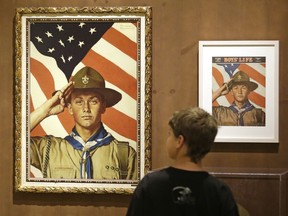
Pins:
x,y
241,112
89,152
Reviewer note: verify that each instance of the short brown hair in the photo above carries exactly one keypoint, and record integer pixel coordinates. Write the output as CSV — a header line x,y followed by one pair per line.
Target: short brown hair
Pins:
x,y
198,128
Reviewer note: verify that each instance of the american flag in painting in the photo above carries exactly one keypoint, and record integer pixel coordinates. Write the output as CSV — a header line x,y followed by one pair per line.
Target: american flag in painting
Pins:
x,y
223,68
59,49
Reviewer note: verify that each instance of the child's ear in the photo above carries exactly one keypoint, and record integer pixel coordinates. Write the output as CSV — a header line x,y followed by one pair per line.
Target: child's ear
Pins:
x,y
180,141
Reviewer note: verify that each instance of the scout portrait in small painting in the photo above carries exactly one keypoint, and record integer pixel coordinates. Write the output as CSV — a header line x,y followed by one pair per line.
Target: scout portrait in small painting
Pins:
x,y
240,99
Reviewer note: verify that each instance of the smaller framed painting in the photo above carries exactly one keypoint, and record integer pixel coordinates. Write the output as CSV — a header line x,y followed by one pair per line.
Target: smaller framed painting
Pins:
x,y
238,84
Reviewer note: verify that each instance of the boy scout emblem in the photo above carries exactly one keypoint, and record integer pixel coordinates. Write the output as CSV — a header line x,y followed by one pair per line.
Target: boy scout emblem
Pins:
x,y
85,80
239,77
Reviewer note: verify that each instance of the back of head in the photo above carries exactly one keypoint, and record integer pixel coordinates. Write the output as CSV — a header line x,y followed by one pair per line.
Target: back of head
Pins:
x,y
198,128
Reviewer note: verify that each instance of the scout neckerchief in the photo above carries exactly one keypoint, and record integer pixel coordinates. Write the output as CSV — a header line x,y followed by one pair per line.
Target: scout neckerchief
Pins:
x,y
102,137
240,112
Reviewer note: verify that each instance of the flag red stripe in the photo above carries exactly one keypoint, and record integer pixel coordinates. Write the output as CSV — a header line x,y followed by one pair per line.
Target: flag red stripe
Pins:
x,y
43,77
215,103
217,76
253,74
120,123
38,131
112,73
257,99
117,39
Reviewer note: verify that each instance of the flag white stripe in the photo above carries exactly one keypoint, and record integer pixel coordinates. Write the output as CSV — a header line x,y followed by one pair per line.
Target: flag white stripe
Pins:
x,y
127,29
116,56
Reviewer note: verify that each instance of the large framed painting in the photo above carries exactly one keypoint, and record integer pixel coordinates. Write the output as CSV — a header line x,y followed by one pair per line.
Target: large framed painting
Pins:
x,y
82,99
238,84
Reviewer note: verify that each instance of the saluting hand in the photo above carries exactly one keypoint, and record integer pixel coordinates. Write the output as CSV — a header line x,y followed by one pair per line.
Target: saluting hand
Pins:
x,y
53,106
223,90
57,103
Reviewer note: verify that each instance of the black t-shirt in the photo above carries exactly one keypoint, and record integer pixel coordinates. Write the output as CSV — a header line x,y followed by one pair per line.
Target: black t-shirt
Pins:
x,y
176,192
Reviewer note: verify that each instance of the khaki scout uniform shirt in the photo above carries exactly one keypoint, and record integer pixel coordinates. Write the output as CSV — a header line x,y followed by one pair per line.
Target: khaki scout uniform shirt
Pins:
x,y
59,159
226,117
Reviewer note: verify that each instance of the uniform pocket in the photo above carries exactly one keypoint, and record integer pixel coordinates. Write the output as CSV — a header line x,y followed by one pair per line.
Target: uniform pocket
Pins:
x,y
63,172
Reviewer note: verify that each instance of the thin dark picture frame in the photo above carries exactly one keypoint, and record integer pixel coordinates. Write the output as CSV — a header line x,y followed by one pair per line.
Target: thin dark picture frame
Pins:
x,y
261,59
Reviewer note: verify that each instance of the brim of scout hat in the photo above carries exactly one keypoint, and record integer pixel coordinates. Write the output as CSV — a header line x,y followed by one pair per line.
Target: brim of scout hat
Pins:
x,y
111,96
251,85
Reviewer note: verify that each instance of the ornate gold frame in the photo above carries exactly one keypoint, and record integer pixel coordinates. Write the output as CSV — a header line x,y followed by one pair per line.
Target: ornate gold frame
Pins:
x,y
23,181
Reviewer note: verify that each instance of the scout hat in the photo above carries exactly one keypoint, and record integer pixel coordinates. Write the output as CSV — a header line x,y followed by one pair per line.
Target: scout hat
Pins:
x,y
242,78
88,78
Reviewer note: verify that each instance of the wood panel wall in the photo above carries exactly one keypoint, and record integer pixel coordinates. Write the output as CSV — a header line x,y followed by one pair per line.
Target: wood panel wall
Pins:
x,y
178,25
